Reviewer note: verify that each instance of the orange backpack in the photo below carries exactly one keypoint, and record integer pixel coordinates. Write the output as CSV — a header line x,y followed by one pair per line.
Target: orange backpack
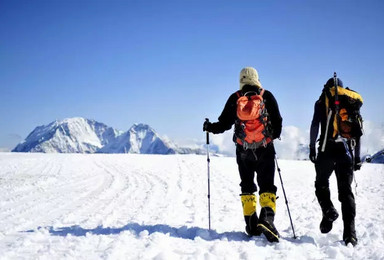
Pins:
x,y
253,120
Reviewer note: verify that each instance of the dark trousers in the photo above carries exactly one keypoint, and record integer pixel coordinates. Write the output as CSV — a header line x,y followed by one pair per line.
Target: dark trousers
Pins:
x,y
334,158
261,161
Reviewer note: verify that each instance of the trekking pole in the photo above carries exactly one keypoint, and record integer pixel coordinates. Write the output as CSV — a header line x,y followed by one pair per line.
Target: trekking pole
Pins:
x,y
209,188
337,102
286,201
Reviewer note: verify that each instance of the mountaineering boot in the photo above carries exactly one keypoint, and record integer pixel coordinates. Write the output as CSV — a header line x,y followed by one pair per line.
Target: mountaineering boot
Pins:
x,y
350,240
248,202
251,225
326,223
267,216
330,214
349,234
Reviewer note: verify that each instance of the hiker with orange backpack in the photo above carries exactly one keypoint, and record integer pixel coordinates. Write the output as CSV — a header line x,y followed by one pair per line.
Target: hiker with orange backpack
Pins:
x,y
255,113
337,111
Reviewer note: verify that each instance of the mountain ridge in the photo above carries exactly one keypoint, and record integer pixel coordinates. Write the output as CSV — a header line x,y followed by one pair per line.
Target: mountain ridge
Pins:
x,y
81,135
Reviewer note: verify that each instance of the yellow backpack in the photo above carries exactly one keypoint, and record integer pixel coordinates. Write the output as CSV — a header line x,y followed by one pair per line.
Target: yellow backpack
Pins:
x,y
348,122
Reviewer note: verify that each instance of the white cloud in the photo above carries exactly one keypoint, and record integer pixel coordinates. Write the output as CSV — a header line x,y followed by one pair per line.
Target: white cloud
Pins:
x,y
224,142
373,138
289,147
294,141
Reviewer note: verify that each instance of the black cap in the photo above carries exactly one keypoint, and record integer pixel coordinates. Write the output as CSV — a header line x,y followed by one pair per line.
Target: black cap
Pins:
x,y
330,83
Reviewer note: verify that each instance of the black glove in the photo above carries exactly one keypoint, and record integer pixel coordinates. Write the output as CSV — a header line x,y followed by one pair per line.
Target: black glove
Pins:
x,y
357,164
312,154
207,126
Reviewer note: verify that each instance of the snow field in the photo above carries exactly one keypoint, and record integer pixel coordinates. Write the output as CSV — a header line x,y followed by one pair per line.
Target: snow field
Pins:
x,y
127,206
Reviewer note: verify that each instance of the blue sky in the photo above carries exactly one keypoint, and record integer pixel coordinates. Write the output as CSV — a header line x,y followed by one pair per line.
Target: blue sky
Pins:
x,y
170,64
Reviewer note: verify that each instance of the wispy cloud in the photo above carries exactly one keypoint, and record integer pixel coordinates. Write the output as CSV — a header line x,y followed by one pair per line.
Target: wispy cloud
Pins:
x,y
294,141
373,138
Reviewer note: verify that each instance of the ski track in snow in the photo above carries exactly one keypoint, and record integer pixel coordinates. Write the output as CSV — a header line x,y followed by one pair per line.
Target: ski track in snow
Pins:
x,y
105,206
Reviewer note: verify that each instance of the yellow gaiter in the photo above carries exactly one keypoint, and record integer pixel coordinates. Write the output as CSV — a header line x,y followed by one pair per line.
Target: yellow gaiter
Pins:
x,y
249,204
268,199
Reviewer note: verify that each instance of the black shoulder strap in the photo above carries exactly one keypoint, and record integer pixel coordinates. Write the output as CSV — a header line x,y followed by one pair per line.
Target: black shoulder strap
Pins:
x,y
331,99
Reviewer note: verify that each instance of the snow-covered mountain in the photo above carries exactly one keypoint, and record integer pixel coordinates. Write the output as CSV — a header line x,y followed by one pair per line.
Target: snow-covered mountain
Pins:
x,y
80,135
71,135
376,158
140,138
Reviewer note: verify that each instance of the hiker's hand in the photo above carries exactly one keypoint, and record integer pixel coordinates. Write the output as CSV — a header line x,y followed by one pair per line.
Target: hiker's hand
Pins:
x,y
207,126
357,164
312,154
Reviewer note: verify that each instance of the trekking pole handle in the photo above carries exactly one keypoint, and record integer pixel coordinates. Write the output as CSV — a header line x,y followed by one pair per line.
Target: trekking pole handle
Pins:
x,y
207,120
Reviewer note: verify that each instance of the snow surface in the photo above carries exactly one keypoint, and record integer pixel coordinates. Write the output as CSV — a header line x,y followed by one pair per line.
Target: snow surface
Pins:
x,y
133,206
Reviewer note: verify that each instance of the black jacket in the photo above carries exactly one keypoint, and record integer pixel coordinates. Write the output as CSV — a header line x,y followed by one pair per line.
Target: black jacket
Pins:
x,y
229,115
319,119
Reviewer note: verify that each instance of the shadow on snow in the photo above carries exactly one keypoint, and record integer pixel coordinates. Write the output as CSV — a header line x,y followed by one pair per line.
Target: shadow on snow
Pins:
x,y
137,229
181,232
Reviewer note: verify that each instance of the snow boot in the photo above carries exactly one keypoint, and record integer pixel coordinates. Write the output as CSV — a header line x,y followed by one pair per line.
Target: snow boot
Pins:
x,y
248,202
350,240
349,234
326,223
330,214
267,216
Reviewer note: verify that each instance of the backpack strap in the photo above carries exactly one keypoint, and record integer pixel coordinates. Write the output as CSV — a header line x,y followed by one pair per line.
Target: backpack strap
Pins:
x,y
327,97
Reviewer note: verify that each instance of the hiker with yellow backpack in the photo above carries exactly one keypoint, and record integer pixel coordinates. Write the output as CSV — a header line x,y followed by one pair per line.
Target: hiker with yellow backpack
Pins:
x,y
255,113
337,111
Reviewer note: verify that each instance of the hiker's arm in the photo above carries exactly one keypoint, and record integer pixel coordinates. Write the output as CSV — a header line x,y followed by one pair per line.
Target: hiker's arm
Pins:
x,y
357,163
314,131
274,112
227,117
357,148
